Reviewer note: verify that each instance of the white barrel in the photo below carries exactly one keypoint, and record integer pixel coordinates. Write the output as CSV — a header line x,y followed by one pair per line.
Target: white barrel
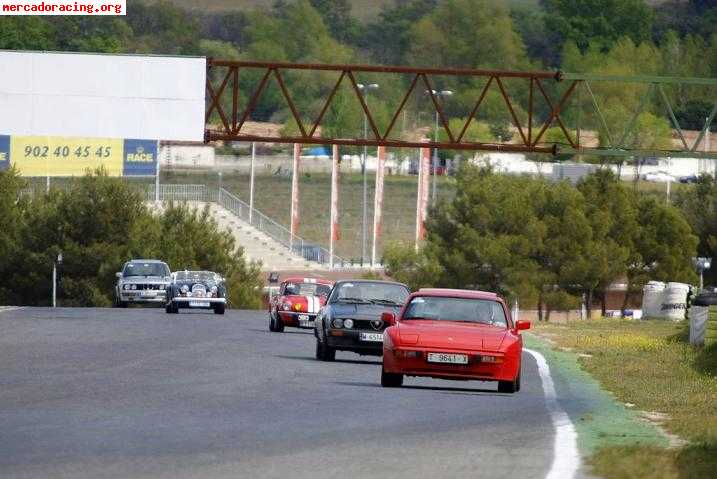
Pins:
x,y
674,301
652,299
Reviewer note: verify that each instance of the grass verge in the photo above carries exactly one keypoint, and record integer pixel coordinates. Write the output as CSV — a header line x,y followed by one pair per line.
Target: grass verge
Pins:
x,y
649,364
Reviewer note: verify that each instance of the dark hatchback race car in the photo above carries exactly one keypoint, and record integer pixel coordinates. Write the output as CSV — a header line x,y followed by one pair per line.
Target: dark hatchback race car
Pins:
x,y
196,290
351,319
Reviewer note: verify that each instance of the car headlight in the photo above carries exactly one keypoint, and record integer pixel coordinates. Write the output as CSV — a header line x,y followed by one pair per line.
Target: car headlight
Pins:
x,y
125,286
184,288
286,306
134,286
348,323
338,323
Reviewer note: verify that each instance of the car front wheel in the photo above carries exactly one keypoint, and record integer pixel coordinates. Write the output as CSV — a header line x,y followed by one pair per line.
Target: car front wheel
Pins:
x,y
219,308
276,324
324,352
391,380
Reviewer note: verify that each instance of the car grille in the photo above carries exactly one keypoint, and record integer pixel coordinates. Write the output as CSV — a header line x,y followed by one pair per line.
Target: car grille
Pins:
x,y
155,287
366,324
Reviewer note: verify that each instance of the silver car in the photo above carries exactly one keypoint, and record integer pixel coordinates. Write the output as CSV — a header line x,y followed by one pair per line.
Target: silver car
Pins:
x,y
142,281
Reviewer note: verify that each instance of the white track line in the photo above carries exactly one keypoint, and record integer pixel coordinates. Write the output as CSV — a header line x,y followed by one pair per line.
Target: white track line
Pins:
x,y
566,460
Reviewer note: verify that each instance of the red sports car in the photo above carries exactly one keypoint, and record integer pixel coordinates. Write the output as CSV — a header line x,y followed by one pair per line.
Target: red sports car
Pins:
x,y
453,334
298,302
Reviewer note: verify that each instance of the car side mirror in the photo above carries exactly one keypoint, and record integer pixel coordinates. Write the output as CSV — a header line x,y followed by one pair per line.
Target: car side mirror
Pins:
x,y
118,274
522,325
388,318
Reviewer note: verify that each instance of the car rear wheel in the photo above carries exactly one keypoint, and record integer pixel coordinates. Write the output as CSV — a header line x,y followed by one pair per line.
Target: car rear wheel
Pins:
x,y
510,387
219,308
391,380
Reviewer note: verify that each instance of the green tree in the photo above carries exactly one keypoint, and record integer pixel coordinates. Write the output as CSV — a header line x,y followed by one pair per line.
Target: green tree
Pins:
x,y
337,16
26,33
665,244
699,207
612,212
599,23
467,34
12,208
399,20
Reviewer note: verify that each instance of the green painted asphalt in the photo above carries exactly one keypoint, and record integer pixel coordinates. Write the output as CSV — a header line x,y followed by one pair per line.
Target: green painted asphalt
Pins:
x,y
600,419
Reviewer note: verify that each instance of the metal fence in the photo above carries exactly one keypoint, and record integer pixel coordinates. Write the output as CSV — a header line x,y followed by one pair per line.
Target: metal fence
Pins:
x,y
281,234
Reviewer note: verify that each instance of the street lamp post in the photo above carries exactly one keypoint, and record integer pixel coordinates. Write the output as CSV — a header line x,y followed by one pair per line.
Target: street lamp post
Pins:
x,y
434,160
702,264
57,261
364,91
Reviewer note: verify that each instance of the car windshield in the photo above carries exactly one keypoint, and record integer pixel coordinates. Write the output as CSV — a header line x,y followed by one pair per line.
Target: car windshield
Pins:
x,y
369,292
145,269
456,309
306,289
195,276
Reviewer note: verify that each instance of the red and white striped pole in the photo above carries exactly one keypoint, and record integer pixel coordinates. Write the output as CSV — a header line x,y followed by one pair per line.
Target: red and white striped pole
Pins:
x,y
295,195
378,202
334,226
422,196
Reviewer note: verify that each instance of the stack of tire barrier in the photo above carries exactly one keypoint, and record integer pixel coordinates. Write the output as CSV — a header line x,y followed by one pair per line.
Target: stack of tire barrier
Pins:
x,y
703,319
665,300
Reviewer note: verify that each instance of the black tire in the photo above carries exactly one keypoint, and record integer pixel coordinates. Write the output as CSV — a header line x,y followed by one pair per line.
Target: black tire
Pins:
x,y
219,308
391,380
324,352
168,308
122,304
509,387
319,351
275,324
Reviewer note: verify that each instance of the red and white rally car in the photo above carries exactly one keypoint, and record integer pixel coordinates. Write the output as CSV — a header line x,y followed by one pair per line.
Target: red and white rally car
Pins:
x,y
298,302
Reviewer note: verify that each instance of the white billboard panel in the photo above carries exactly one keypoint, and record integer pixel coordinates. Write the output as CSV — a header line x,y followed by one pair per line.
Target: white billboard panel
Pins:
x,y
102,96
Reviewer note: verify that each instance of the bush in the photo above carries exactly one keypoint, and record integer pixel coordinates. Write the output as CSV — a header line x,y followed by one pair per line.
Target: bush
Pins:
x,y
98,224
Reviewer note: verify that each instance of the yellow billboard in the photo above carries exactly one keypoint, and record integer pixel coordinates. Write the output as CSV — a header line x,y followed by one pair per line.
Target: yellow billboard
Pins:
x,y
56,156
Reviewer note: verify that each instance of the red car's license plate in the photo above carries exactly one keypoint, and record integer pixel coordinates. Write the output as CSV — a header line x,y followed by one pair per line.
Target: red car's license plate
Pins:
x,y
447,358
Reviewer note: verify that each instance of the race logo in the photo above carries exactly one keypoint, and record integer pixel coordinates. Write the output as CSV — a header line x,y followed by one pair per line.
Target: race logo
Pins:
x,y
4,152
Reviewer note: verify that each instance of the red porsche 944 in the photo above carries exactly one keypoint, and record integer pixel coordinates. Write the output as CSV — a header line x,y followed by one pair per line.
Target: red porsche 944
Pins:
x,y
453,334
298,302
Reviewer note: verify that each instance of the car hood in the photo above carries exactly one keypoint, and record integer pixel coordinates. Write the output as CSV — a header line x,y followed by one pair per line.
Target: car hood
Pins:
x,y
308,303
146,279
451,335
361,311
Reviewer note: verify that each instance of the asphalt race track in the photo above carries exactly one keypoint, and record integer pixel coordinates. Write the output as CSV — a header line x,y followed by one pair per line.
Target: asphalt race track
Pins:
x,y
138,393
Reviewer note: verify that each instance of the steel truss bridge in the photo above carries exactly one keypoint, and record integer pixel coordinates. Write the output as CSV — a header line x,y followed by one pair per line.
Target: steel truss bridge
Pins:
x,y
559,92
